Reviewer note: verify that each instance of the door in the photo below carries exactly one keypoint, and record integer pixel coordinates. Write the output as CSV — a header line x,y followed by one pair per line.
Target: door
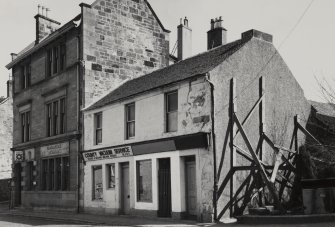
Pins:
x,y
125,196
190,186
164,188
17,183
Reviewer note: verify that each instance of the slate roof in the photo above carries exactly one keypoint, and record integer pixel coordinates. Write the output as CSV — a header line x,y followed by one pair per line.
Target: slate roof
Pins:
x,y
327,109
32,47
188,68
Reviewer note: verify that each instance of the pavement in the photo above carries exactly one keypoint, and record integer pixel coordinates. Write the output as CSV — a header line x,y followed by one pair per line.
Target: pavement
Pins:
x,y
23,218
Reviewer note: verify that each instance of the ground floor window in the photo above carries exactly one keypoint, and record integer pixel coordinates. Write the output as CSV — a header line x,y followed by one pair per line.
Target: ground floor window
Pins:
x,y
55,174
110,168
97,183
144,180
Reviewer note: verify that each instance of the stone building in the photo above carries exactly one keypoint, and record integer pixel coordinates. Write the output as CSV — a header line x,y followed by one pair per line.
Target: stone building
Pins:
x,y
6,133
148,144
6,141
63,70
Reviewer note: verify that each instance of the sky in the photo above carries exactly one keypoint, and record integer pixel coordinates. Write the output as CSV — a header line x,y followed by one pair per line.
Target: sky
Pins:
x,y
308,50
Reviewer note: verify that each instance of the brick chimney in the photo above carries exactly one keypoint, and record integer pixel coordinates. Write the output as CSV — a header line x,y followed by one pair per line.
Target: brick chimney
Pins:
x,y
44,26
217,36
184,40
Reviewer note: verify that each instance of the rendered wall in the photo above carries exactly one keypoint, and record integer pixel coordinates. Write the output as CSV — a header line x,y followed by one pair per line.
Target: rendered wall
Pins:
x,y
284,98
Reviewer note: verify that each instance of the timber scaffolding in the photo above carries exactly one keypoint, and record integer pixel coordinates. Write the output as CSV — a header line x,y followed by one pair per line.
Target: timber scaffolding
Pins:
x,y
261,175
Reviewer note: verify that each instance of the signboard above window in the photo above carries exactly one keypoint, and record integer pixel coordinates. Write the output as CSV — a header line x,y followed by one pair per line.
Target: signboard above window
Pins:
x,y
108,153
55,149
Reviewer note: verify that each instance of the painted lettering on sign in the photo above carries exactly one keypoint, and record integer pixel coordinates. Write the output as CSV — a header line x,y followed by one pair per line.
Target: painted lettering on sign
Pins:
x,y
108,153
55,149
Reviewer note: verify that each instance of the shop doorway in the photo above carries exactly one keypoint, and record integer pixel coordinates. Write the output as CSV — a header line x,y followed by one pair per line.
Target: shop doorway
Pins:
x,y
190,187
17,183
164,188
125,195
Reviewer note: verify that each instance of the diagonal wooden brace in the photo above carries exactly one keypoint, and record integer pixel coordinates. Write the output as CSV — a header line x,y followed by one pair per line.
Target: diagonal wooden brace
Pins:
x,y
268,183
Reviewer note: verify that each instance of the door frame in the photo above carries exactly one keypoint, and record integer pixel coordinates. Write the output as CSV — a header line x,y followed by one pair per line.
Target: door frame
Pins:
x,y
169,199
190,158
121,180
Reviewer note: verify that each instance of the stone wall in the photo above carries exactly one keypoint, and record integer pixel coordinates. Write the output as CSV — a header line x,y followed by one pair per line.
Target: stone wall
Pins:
x,y
121,40
6,141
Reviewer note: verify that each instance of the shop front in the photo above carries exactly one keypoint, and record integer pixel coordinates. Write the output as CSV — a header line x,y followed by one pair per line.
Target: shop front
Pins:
x,y
163,178
45,177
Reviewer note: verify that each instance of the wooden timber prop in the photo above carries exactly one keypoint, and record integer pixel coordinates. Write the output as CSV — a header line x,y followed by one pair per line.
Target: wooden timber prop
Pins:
x,y
275,178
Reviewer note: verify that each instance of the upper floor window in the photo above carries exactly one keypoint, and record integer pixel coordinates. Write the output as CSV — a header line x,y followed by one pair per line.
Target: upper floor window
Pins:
x,y
25,76
98,128
56,117
171,102
56,59
130,121
25,126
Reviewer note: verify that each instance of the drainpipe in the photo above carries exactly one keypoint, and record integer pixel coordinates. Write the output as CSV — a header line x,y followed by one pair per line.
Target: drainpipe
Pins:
x,y
79,57
213,146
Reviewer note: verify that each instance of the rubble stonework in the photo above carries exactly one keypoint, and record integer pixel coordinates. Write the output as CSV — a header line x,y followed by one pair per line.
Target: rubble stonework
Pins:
x,y
121,40
6,137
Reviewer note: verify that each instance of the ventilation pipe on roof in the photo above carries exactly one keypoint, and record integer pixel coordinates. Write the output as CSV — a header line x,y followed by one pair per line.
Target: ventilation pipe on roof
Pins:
x,y
217,35
184,40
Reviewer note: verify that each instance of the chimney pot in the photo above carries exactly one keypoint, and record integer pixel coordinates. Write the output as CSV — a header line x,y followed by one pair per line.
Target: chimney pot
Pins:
x,y
217,35
186,22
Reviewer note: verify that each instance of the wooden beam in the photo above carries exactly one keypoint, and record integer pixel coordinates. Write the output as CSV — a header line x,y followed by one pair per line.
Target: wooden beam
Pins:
x,y
224,183
246,119
232,109
259,164
307,133
276,167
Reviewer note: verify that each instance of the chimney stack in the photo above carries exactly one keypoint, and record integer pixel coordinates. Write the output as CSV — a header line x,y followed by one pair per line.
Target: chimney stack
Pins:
x,y
217,35
10,87
13,55
184,40
44,25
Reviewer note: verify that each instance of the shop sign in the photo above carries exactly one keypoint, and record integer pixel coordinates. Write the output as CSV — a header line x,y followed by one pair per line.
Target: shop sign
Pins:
x,y
29,154
108,153
18,156
55,149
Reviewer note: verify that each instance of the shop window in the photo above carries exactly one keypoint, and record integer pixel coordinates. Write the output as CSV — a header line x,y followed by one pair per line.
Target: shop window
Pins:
x,y
97,183
98,128
56,117
55,174
25,126
130,121
110,175
171,100
144,181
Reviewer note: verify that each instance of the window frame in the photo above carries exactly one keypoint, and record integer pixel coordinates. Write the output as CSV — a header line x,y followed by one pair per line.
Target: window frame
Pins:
x,y
138,177
167,112
94,168
56,59
130,122
25,125
56,116
109,177
49,176
25,79
98,116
